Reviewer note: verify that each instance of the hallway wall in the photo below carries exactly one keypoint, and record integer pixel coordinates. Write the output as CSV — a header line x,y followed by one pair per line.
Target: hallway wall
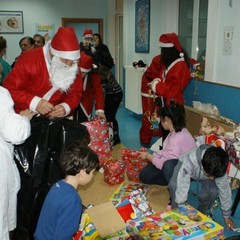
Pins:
x,y
51,12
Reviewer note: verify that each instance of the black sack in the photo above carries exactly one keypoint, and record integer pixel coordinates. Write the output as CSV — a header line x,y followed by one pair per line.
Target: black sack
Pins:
x,y
37,161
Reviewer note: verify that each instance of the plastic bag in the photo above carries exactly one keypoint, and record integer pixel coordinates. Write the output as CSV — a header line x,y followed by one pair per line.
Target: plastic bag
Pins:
x,y
37,161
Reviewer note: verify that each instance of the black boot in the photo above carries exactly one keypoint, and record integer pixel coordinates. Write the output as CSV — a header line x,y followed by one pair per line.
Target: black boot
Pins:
x,y
116,139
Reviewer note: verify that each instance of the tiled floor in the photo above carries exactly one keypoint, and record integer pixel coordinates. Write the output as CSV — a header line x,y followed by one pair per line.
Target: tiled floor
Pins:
x,y
129,125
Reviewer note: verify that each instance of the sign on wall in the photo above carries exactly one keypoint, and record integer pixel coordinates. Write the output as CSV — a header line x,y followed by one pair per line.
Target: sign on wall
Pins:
x,y
46,30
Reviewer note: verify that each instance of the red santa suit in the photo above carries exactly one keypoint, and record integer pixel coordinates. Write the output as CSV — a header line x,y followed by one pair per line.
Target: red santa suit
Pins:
x,y
92,90
173,79
29,81
148,107
92,93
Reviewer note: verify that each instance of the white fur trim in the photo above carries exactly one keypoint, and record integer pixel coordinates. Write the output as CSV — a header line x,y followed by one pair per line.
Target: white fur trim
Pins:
x,y
34,103
88,36
71,55
85,111
85,80
99,111
66,107
155,82
85,70
166,45
147,95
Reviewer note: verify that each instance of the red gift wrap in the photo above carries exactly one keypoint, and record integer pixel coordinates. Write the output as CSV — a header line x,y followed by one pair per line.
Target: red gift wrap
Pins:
x,y
134,163
100,139
99,129
113,171
102,148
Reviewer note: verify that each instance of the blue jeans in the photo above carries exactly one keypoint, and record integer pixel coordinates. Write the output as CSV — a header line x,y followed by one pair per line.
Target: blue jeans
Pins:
x,y
152,175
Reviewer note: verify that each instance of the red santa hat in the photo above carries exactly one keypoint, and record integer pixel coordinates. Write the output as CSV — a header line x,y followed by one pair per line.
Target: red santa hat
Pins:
x,y
170,40
65,44
88,33
85,63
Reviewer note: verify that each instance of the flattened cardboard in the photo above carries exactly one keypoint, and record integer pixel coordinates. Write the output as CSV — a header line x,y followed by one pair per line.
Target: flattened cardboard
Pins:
x,y
106,219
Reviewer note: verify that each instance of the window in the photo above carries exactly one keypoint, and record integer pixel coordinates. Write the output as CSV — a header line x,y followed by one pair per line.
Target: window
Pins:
x,y
193,27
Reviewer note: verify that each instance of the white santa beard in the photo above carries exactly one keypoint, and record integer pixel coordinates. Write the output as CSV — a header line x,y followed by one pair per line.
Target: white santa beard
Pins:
x,y
62,75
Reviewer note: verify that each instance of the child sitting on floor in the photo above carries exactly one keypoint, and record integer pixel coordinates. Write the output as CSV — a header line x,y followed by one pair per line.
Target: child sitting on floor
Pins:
x,y
62,208
178,141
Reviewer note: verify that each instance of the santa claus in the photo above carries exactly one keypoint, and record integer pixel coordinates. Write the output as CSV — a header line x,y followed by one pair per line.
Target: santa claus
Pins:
x,y
149,108
92,91
175,75
46,80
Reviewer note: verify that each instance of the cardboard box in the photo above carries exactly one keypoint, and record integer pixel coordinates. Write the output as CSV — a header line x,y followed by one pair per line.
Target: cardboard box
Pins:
x,y
176,224
194,118
106,219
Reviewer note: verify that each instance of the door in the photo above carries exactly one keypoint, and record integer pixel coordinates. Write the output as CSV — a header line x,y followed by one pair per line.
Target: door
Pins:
x,y
79,24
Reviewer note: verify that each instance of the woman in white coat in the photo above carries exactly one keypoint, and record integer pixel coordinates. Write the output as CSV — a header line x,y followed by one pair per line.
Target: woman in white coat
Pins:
x,y
14,129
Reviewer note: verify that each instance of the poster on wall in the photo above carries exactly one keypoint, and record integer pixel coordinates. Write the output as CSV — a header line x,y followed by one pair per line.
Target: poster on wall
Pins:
x,y
142,26
228,41
11,22
46,30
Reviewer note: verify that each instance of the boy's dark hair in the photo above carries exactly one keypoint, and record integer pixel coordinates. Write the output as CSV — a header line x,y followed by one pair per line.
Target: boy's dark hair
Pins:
x,y
215,162
176,113
77,157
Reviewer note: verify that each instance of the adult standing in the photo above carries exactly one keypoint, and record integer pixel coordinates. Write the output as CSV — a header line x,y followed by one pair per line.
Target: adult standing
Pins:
x,y
25,44
39,40
92,91
103,54
174,75
87,45
14,129
45,80
5,68
148,102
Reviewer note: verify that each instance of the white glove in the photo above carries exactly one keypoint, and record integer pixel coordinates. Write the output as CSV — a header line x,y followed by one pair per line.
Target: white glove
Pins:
x,y
93,49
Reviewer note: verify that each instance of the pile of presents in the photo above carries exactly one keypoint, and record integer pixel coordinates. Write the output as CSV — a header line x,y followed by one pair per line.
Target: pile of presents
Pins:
x,y
114,169
128,215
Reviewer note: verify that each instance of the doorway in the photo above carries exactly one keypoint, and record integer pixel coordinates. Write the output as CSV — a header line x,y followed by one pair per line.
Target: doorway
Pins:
x,y
119,49
79,24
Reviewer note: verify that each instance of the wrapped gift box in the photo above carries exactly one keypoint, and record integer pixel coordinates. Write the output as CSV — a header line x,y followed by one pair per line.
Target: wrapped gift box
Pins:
x,y
134,163
102,148
100,137
231,147
140,204
124,190
99,129
113,170
176,224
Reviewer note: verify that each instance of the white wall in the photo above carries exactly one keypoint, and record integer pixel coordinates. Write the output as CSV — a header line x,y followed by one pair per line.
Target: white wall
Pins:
x,y
51,12
220,67
163,18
